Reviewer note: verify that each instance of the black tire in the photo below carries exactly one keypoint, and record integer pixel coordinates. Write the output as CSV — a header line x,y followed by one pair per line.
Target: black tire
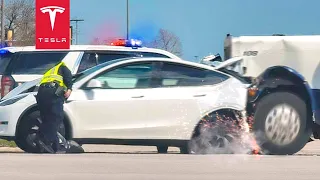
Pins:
x,y
162,149
264,106
216,134
27,130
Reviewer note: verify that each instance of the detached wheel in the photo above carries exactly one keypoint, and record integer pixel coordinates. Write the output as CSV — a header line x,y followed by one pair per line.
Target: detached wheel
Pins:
x,y
281,123
27,130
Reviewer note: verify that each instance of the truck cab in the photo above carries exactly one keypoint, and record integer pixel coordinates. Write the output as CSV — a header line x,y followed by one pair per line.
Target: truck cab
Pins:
x,y
284,100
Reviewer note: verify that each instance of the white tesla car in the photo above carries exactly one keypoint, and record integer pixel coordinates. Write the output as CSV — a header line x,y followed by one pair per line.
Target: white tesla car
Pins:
x,y
133,101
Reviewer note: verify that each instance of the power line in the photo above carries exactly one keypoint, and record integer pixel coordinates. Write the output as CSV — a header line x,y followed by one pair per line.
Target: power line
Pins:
x,y
76,20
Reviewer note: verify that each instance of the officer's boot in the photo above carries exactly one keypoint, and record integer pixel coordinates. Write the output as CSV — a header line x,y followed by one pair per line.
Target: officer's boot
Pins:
x,y
61,144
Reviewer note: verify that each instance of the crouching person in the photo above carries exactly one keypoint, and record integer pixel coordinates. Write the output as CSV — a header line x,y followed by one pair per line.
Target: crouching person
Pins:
x,y
55,88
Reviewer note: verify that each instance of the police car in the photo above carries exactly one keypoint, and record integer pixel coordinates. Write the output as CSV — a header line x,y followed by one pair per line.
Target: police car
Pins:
x,y
137,101
23,64
285,91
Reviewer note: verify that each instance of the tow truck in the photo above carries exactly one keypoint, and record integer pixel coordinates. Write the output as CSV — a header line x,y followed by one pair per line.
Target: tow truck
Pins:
x,y
284,96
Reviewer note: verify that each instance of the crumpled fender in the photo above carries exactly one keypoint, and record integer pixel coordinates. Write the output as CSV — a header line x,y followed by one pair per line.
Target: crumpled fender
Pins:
x,y
281,77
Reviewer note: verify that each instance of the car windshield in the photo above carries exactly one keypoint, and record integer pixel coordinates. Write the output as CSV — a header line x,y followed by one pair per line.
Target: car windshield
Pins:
x,y
83,74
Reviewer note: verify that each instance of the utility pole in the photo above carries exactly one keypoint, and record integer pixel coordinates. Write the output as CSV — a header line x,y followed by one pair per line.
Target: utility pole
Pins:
x,y
2,23
76,20
127,19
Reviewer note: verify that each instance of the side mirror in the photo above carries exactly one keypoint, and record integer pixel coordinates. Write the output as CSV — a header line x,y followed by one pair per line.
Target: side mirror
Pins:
x,y
93,83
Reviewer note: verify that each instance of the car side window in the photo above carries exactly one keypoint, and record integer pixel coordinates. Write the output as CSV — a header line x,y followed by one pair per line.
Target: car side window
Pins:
x,y
36,62
134,76
92,59
88,60
174,74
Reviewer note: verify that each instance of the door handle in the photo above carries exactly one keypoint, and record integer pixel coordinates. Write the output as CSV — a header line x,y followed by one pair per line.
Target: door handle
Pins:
x,y
137,96
199,95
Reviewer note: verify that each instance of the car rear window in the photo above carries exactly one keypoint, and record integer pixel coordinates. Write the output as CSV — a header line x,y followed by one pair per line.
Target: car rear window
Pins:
x,y
4,61
79,76
36,62
150,54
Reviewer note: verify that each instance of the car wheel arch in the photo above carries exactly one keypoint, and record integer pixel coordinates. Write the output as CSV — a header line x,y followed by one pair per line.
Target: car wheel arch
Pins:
x,y
33,108
223,111
280,79
280,76
23,114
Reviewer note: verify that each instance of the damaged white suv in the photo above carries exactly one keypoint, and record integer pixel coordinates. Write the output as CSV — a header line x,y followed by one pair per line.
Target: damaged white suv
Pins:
x,y
138,101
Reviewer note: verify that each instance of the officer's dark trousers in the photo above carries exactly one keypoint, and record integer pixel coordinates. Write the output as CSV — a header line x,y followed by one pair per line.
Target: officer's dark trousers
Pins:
x,y
51,111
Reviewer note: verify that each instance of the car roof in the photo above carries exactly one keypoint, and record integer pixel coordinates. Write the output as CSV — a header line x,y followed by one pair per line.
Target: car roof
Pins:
x,y
145,59
92,48
123,61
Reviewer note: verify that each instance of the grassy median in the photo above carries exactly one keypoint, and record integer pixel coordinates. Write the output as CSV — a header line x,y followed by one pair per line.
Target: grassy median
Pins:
x,y
5,143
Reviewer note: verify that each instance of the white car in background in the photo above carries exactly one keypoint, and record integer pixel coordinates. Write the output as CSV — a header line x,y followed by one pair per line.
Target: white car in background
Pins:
x,y
22,64
134,101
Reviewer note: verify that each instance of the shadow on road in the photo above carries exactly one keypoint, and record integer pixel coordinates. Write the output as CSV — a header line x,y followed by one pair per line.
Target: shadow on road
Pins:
x,y
140,152
16,151
11,152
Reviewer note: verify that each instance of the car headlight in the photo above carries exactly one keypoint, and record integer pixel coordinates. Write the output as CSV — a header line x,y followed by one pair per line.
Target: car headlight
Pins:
x,y
11,101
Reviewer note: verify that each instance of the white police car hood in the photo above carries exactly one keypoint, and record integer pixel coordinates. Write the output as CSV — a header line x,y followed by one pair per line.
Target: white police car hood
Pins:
x,y
22,89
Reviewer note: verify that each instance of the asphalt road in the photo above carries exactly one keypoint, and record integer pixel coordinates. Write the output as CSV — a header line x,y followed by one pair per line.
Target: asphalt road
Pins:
x,y
155,166
139,163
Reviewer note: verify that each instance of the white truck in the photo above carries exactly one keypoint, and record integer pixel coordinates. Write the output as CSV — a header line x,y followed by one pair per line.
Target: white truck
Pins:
x,y
284,99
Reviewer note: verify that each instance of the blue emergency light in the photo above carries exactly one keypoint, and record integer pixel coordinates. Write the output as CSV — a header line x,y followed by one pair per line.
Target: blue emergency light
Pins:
x,y
4,51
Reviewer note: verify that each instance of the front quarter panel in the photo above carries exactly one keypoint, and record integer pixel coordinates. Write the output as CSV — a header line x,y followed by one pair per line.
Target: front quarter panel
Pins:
x,y
232,95
12,113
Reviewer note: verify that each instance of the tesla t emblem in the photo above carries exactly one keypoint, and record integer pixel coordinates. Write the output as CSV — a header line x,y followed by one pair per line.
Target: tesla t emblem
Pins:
x,y
52,10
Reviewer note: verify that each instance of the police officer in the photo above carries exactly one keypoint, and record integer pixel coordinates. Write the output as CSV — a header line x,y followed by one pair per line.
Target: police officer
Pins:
x,y
55,88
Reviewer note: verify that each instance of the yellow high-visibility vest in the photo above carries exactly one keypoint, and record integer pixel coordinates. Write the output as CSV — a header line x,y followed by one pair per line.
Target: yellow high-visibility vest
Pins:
x,y
52,75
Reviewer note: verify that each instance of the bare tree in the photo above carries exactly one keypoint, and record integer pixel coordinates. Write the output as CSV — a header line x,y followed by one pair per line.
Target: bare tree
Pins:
x,y
102,41
168,41
20,17
96,41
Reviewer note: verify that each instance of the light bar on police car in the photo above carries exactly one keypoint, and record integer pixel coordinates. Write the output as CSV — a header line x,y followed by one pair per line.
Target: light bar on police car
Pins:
x,y
127,43
4,51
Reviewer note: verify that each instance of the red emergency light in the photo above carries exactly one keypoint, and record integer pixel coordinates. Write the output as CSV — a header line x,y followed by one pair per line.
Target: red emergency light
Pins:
x,y
127,43
119,42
